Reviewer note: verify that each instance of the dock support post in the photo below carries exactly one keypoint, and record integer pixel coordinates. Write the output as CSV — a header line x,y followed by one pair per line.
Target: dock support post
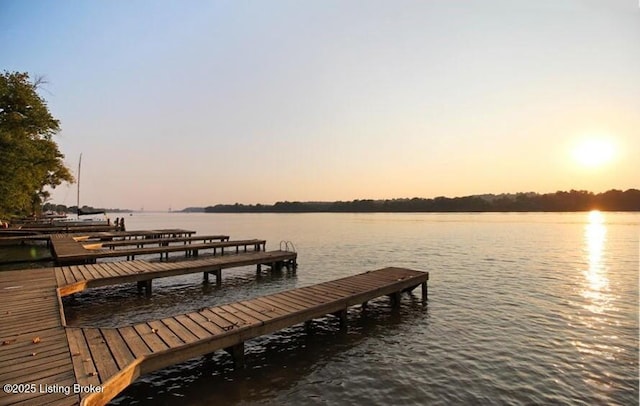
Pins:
x,y
308,326
424,292
205,277
218,273
342,315
395,299
237,353
146,285
365,305
258,269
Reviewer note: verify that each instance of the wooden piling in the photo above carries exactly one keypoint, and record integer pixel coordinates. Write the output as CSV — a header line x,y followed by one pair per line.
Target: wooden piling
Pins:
x,y
237,354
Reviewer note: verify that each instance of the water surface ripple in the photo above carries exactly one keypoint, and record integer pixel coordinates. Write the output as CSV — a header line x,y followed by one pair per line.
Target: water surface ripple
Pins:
x,y
523,309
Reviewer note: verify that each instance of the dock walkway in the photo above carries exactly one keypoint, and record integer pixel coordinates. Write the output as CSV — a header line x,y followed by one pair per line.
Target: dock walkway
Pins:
x,y
110,359
76,278
68,251
138,234
34,349
139,243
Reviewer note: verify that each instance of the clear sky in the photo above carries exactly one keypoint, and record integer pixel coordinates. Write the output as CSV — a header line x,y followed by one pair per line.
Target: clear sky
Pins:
x,y
193,103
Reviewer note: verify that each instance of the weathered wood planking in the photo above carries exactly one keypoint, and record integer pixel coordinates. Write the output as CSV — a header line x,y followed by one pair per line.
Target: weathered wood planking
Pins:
x,y
121,355
57,229
68,251
35,350
38,349
21,239
190,249
76,278
137,234
64,246
163,241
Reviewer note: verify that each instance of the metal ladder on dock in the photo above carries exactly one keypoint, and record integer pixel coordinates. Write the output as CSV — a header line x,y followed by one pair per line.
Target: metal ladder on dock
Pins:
x,y
287,246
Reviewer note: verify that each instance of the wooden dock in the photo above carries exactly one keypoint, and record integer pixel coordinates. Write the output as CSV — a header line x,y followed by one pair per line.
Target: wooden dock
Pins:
x,y
68,251
76,278
139,243
57,229
107,360
34,347
137,234
23,239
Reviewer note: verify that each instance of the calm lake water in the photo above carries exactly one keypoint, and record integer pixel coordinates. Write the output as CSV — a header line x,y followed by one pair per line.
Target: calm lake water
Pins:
x,y
523,309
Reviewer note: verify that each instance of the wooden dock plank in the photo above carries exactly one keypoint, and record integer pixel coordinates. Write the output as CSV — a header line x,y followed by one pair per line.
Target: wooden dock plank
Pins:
x,y
42,371
96,271
23,345
242,315
24,365
126,267
134,271
34,299
38,398
205,323
136,234
265,309
77,275
100,353
150,337
113,269
68,275
118,347
165,333
135,343
91,271
120,268
151,241
357,284
105,270
144,266
60,278
295,299
319,293
195,328
332,292
180,330
285,303
221,322
138,266
256,315
234,319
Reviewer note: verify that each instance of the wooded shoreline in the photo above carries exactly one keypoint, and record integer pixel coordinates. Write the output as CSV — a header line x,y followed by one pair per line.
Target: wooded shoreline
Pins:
x,y
612,200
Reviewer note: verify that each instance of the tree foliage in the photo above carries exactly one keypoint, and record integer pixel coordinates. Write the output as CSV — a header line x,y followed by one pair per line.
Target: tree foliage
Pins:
x,y
29,158
574,200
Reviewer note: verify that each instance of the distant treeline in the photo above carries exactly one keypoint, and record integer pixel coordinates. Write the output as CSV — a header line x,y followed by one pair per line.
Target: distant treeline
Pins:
x,y
574,200
61,208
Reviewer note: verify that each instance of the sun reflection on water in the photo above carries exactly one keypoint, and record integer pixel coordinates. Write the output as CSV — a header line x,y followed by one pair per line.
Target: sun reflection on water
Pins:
x,y
598,303
596,274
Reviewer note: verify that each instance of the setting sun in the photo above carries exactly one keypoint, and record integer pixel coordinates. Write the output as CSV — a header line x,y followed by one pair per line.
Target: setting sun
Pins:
x,y
594,152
